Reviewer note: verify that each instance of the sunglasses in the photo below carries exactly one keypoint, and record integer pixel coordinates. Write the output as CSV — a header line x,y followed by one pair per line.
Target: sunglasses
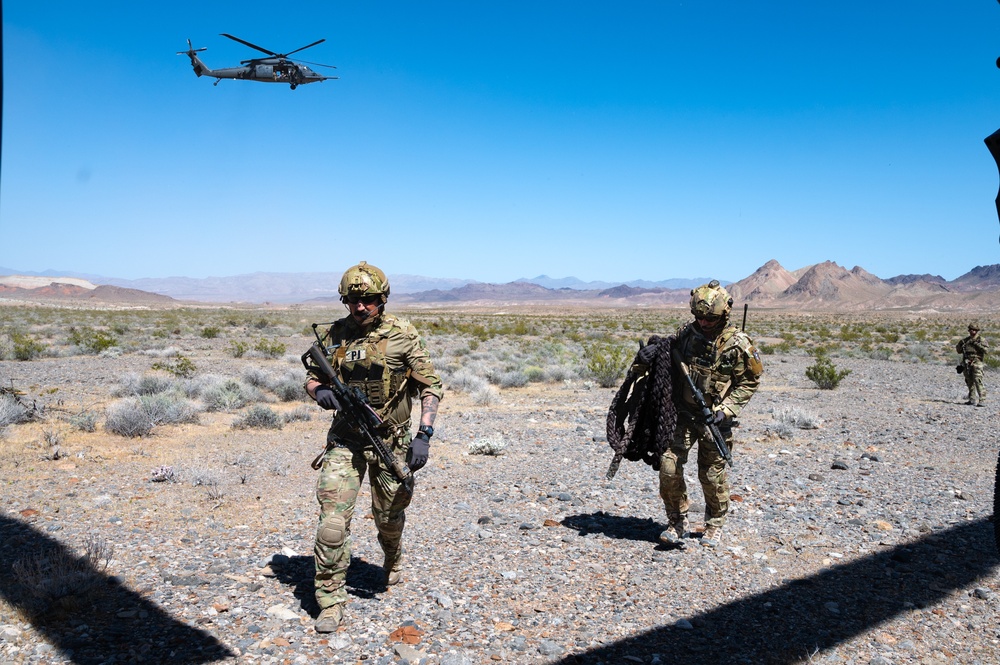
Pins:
x,y
711,318
367,300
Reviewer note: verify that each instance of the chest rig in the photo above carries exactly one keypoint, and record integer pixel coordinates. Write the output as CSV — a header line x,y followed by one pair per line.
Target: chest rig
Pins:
x,y
362,364
710,362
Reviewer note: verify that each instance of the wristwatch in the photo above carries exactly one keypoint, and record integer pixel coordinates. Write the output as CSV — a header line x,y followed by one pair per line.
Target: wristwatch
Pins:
x,y
426,430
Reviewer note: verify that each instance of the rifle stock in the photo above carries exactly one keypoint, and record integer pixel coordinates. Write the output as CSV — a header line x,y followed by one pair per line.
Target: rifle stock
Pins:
x,y
707,417
359,413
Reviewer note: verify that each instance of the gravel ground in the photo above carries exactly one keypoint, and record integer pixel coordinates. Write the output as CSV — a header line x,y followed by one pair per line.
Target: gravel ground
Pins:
x,y
866,539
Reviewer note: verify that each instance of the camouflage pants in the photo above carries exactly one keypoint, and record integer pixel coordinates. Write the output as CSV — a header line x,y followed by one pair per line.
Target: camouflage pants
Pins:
x,y
974,381
711,473
337,492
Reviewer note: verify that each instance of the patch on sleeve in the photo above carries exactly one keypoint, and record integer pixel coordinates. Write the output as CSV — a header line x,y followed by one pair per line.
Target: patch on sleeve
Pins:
x,y
754,362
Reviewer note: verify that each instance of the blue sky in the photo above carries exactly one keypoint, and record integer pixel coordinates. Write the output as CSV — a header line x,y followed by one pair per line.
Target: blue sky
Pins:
x,y
492,141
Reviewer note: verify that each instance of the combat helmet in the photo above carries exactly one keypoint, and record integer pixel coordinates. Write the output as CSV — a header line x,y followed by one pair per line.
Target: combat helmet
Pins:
x,y
711,301
363,280
974,326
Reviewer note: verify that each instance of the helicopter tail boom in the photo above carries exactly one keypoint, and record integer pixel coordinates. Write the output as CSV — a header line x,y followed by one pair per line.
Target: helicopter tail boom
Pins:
x,y
199,67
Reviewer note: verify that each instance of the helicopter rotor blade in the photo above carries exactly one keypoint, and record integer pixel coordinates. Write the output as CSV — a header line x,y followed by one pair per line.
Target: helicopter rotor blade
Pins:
x,y
305,47
253,46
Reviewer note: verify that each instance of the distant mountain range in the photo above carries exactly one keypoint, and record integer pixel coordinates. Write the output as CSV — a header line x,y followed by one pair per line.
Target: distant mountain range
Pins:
x,y
824,286
286,287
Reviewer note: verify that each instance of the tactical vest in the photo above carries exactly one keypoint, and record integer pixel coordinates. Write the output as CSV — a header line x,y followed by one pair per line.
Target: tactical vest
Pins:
x,y
362,364
711,362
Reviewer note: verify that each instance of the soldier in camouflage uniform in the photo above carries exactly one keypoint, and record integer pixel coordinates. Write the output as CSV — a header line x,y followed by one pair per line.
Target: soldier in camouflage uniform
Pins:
x,y
973,349
386,359
726,367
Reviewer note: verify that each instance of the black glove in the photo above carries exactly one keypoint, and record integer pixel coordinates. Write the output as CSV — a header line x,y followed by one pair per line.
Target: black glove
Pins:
x,y
960,368
719,417
420,449
646,354
326,399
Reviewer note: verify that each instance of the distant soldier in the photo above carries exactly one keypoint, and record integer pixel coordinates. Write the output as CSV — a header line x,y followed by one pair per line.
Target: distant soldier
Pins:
x,y
973,349
726,368
384,357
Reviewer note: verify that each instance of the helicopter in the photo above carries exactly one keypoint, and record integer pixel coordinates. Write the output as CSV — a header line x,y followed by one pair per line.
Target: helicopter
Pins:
x,y
278,68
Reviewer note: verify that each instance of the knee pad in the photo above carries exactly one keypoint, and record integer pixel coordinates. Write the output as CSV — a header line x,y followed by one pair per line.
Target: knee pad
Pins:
x,y
332,531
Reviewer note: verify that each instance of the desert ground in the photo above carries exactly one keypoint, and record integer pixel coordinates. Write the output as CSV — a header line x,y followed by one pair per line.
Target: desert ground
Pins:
x,y
156,497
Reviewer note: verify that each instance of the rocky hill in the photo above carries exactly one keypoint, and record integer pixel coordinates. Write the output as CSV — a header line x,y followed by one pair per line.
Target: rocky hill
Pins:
x,y
829,286
74,290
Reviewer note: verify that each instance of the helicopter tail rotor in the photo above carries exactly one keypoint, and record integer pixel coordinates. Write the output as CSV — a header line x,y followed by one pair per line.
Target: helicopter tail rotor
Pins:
x,y
199,66
191,50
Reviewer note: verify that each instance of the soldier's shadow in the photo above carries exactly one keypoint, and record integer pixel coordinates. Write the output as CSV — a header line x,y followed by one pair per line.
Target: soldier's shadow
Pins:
x,y
614,526
364,580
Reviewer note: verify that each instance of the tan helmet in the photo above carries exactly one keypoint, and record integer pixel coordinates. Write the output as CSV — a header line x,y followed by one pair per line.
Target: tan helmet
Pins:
x,y
710,301
363,280
974,326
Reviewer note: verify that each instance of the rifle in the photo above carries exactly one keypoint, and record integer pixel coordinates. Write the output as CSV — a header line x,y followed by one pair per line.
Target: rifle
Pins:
x,y
356,411
707,417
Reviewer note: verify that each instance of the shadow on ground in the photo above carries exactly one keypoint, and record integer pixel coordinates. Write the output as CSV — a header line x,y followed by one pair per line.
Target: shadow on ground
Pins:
x,y
364,580
792,621
88,616
614,526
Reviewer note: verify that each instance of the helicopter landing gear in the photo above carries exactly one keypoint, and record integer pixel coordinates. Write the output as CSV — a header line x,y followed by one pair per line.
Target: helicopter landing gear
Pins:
x,y
293,86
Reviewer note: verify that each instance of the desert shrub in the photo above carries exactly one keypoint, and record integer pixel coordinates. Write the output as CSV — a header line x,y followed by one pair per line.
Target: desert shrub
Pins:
x,y
259,417
203,477
534,374
84,422
137,416
490,445
210,332
127,418
181,366
486,396
606,362
147,384
23,346
166,352
783,430
880,353
557,373
825,374
467,382
302,412
796,417
288,389
269,348
12,412
509,379
91,341
169,409
56,573
237,348
229,395
255,376
991,361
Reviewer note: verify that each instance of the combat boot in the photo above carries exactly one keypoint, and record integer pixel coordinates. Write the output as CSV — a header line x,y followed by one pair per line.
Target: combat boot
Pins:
x,y
712,536
676,530
329,619
392,567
